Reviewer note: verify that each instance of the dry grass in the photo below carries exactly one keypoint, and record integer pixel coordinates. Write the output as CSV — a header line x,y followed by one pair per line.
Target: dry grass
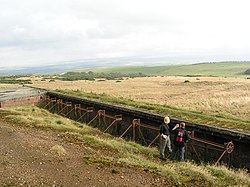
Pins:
x,y
119,151
210,95
7,86
58,150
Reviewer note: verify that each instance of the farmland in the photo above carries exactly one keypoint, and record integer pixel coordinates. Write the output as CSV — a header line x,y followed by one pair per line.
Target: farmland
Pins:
x,y
53,143
181,91
198,99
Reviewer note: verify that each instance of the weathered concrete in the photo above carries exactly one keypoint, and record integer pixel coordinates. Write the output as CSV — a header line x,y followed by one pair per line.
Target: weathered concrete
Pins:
x,y
20,96
239,158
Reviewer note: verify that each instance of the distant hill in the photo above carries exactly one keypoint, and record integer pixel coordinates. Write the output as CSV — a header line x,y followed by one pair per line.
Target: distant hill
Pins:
x,y
45,69
130,65
65,66
228,69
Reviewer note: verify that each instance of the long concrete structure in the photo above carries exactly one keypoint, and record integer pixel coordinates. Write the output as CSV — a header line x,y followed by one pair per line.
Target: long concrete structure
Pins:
x,y
209,143
208,139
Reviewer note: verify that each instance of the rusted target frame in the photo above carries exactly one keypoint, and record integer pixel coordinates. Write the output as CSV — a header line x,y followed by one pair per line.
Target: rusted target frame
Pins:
x,y
227,147
116,118
66,107
79,109
46,101
136,123
50,103
102,115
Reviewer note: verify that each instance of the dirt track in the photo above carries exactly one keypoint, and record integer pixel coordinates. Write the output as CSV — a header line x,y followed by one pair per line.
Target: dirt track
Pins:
x,y
26,160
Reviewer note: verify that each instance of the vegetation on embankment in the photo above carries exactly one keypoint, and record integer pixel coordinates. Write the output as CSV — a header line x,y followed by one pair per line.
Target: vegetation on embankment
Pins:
x,y
118,151
14,80
192,116
72,76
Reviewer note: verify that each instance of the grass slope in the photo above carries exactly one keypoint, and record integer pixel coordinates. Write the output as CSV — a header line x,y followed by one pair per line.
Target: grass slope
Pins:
x,y
194,116
228,69
118,151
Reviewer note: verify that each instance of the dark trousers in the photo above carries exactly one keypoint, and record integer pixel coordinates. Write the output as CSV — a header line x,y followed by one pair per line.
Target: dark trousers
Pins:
x,y
181,151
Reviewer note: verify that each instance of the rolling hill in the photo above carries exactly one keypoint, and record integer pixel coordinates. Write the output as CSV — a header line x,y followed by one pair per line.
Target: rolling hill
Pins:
x,y
228,69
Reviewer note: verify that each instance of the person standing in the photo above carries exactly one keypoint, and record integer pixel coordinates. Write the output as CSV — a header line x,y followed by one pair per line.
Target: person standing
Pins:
x,y
180,138
165,138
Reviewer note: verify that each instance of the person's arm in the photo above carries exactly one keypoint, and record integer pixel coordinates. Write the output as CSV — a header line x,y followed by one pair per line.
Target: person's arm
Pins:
x,y
187,136
176,126
161,130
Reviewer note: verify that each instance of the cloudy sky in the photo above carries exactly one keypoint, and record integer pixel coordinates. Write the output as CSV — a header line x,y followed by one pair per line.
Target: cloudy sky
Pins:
x,y
34,32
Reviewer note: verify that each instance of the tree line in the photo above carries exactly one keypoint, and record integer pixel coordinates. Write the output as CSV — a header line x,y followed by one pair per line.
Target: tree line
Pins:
x,y
71,76
13,80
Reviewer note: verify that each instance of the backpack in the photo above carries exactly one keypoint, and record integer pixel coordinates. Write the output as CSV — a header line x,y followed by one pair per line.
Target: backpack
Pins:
x,y
179,137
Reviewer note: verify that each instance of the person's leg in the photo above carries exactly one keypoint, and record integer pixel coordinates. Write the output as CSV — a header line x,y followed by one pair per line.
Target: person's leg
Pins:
x,y
182,152
163,144
174,152
169,144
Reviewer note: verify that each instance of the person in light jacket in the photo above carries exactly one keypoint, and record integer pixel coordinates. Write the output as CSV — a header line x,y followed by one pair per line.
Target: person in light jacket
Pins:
x,y
165,138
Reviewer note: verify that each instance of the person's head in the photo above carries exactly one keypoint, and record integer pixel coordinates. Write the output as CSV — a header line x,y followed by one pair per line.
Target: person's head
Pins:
x,y
182,125
167,120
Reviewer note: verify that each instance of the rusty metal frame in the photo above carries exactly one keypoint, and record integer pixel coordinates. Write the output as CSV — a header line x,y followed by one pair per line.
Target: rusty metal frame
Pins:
x,y
53,100
79,109
101,114
97,115
115,119
65,105
227,147
49,100
151,128
61,106
137,123
50,103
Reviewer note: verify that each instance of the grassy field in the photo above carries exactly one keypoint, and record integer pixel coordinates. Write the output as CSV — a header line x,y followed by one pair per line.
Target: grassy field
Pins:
x,y
118,151
224,69
222,99
208,100
218,101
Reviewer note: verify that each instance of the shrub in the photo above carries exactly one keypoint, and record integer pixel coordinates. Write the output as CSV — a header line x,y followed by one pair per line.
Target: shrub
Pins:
x,y
247,72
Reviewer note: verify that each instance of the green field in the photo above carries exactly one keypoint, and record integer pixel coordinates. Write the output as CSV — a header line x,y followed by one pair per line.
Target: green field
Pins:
x,y
225,69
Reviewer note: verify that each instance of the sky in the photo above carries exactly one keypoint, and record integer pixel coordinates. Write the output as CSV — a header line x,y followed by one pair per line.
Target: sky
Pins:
x,y
40,32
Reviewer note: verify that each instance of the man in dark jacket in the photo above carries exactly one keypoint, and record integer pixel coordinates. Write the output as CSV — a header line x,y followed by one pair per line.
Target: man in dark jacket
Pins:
x,y
165,138
180,138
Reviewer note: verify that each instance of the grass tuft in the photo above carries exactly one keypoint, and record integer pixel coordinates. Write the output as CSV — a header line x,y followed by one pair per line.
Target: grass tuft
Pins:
x,y
59,150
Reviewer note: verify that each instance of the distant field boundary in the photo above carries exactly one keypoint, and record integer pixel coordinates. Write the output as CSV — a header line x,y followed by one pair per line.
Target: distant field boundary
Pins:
x,y
223,69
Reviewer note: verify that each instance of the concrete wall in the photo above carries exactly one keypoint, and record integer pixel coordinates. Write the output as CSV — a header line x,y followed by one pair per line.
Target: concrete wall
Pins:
x,y
239,157
20,101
